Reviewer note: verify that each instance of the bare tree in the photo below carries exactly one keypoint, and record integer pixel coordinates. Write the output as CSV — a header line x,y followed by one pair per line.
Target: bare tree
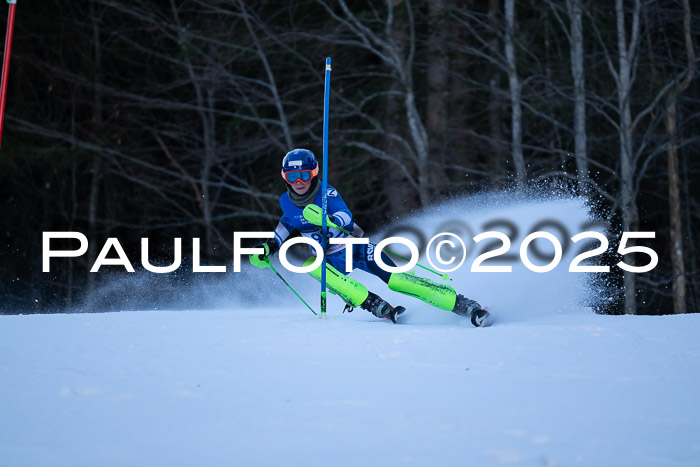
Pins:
x,y
623,75
515,96
495,106
674,179
574,8
98,162
399,60
637,153
574,35
438,79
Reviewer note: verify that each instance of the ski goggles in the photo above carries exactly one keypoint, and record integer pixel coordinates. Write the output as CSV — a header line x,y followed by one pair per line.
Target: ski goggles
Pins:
x,y
303,176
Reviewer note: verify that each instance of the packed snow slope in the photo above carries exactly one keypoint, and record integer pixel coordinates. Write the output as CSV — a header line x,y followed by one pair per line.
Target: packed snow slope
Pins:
x,y
275,387
260,381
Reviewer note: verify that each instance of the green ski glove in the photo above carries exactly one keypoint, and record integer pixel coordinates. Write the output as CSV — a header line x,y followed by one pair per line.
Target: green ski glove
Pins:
x,y
262,261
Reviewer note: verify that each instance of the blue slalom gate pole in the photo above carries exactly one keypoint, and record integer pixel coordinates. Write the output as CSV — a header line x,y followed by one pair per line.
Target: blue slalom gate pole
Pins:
x,y
324,187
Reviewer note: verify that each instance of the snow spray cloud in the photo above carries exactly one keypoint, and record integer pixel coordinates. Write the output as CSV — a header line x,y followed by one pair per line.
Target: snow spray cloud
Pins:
x,y
521,293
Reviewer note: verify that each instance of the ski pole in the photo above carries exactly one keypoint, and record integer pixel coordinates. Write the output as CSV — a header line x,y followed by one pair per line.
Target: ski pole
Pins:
x,y
312,213
287,284
6,60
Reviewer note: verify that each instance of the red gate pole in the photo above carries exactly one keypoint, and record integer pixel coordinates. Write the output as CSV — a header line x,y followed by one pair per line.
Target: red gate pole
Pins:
x,y
6,61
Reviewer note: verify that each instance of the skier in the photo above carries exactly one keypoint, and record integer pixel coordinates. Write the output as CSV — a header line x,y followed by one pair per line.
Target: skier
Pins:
x,y
300,170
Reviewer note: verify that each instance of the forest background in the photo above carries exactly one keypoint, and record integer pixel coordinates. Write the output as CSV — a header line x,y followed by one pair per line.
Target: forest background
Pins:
x,y
170,119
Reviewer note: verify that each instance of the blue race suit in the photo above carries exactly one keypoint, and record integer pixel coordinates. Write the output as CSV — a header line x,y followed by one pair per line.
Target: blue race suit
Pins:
x,y
293,219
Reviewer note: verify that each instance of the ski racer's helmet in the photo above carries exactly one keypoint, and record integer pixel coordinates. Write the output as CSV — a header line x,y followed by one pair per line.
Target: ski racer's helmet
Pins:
x,y
299,165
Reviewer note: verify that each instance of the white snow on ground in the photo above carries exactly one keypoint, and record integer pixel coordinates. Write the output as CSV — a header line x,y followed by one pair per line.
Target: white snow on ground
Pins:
x,y
278,387
550,384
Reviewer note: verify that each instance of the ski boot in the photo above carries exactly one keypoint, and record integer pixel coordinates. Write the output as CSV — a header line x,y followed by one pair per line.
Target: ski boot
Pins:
x,y
466,307
381,308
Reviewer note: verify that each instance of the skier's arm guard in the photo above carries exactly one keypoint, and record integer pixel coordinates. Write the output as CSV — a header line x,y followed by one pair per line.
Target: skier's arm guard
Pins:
x,y
314,215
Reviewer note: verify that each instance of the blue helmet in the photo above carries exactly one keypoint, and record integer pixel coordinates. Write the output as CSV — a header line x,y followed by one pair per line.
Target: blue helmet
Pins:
x,y
299,165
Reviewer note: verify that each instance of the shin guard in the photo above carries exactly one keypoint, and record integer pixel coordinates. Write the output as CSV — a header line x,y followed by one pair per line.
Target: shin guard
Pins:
x,y
352,292
439,295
